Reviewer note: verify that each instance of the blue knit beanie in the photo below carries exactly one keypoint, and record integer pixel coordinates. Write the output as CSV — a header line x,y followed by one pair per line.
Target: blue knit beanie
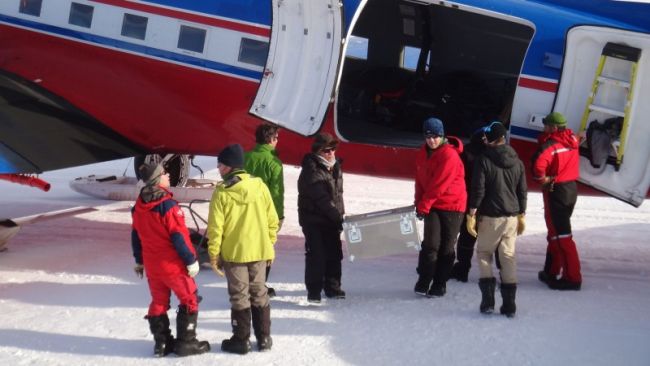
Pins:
x,y
433,126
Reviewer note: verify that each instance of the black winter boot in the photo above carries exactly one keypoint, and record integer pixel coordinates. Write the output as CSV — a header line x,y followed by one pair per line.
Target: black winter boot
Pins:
x,y
487,286
333,288
443,268
262,327
425,271
464,253
186,342
508,291
460,272
159,326
241,328
438,289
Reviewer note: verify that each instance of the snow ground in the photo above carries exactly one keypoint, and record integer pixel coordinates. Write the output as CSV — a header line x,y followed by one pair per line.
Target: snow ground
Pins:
x,y
68,294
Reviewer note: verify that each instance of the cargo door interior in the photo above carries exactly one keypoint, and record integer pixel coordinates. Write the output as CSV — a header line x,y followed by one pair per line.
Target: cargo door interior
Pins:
x,y
301,68
409,60
606,74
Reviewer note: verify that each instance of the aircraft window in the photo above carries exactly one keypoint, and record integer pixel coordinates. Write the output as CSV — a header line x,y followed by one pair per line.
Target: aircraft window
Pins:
x,y
357,48
81,15
31,7
134,26
191,39
253,52
410,58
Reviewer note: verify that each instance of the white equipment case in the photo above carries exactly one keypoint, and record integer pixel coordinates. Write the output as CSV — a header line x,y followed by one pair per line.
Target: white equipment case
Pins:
x,y
382,233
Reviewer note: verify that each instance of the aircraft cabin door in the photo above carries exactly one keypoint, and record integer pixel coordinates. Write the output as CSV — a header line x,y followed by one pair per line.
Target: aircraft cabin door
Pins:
x,y
605,79
302,65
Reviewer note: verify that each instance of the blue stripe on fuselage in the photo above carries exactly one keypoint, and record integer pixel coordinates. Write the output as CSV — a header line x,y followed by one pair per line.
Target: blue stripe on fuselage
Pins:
x,y
254,11
136,48
524,132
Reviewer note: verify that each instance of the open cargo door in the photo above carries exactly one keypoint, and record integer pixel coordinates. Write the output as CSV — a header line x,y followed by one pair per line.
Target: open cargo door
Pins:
x,y
605,76
301,68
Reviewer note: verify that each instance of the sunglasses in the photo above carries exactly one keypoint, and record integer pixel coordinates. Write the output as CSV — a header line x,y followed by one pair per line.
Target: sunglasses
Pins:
x,y
329,150
426,137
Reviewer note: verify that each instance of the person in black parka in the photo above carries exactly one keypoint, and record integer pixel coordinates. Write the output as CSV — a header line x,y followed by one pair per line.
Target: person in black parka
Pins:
x,y
465,244
320,214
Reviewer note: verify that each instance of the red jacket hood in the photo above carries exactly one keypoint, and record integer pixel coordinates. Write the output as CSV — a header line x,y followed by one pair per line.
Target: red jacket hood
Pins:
x,y
146,206
565,137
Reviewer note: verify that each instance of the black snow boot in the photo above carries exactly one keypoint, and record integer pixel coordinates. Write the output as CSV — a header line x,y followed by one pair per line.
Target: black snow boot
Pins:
x,y
438,289
186,342
487,286
333,288
241,328
425,271
262,327
464,253
460,272
508,291
162,335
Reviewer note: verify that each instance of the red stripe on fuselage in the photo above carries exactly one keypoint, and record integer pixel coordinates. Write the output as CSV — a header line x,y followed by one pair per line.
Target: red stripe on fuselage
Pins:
x,y
260,31
547,86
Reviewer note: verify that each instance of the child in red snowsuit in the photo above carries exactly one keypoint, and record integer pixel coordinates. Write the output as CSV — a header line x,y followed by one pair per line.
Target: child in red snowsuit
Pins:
x,y
162,248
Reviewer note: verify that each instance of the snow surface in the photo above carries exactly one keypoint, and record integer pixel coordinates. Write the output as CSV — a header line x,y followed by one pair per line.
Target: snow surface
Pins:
x,y
68,294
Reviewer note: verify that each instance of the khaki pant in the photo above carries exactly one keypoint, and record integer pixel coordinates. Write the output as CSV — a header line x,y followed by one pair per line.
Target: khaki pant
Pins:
x,y
246,284
501,233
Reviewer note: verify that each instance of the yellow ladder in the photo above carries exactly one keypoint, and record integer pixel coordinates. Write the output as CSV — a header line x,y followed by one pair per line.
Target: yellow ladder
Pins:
x,y
627,54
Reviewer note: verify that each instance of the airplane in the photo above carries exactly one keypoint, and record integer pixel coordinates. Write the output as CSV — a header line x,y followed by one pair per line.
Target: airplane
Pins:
x,y
84,81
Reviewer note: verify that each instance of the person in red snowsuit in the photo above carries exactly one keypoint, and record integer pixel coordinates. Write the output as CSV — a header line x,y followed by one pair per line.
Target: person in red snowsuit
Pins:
x,y
163,250
440,199
556,166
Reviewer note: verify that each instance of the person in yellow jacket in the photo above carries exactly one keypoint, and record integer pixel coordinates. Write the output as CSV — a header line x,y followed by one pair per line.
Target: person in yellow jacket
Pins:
x,y
242,229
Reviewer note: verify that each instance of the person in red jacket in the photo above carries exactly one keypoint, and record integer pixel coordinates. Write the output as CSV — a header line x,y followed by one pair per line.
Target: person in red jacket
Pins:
x,y
556,166
440,199
162,248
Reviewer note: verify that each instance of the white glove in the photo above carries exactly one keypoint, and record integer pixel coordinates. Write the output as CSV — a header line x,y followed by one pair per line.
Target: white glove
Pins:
x,y
193,269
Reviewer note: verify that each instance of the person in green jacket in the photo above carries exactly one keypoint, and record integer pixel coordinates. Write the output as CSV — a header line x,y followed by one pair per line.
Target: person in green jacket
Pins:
x,y
242,229
263,162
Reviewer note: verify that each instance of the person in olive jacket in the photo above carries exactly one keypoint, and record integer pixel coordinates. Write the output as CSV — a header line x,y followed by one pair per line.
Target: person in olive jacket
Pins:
x,y
320,214
242,229
263,162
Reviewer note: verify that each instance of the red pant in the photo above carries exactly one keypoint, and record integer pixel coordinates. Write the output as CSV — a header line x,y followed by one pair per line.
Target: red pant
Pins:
x,y
562,254
183,287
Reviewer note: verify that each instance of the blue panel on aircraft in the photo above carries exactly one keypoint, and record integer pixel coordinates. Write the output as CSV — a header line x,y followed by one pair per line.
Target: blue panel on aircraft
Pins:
x,y
10,162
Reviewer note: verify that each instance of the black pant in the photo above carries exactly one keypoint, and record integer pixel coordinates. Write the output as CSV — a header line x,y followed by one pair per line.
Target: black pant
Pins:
x,y
323,255
437,255
465,247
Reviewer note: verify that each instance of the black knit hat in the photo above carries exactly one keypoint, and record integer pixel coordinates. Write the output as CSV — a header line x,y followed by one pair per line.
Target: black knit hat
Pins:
x,y
323,141
150,173
494,131
232,156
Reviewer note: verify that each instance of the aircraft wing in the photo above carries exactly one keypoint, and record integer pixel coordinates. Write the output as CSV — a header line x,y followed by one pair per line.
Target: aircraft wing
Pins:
x,y
11,227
